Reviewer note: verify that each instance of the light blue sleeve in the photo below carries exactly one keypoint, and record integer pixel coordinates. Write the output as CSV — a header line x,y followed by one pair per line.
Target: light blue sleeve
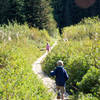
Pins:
x,y
66,75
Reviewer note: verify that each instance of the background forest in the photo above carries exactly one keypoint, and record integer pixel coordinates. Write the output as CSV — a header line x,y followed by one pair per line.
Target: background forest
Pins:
x,y
37,13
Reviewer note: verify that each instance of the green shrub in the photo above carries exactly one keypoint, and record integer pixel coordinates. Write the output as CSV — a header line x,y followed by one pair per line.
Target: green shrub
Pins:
x,y
82,96
75,61
90,81
78,57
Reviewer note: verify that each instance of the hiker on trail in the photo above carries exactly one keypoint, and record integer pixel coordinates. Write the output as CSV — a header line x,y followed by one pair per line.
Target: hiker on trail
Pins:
x,y
61,78
48,47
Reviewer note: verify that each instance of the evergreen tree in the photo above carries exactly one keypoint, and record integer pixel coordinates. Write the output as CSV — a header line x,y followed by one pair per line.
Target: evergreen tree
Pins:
x,y
39,14
4,4
11,10
16,10
58,6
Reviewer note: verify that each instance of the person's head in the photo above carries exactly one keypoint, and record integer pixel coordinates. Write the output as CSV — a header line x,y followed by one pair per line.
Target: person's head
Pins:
x,y
60,63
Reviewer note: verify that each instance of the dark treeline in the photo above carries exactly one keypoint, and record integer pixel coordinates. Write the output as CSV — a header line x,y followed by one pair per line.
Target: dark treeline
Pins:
x,y
37,13
12,10
46,14
67,12
74,13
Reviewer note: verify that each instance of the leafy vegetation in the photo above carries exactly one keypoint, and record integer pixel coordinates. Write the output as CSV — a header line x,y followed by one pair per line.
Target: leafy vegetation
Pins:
x,y
87,28
19,48
81,56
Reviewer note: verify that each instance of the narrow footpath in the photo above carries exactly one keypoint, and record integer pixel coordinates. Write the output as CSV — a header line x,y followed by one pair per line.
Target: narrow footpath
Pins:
x,y
48,82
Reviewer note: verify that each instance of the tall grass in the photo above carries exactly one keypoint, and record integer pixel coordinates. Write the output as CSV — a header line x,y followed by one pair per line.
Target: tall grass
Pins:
x,y
19,48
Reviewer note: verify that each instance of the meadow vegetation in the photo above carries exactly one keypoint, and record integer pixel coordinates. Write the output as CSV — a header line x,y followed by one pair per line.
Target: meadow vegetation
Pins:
x,y
81,56
20,46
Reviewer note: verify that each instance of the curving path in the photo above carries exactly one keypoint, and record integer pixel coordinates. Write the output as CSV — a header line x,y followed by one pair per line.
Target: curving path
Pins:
x,y
36,67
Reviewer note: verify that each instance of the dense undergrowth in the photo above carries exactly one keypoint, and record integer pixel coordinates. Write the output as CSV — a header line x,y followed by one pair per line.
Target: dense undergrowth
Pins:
x,y
19,48
81,56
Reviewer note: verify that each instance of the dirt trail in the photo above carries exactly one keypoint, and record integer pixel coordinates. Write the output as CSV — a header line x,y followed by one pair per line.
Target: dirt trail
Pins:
x,y
48,82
